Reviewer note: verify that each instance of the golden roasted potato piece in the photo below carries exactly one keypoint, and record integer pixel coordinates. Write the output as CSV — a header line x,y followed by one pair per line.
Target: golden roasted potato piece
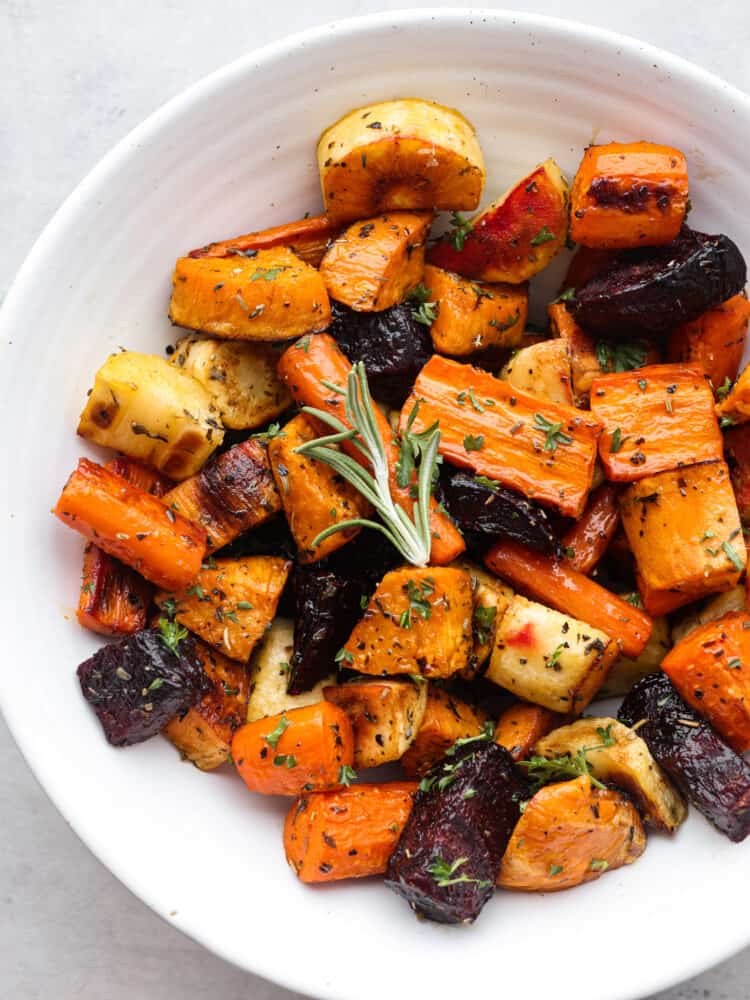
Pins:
x,y
626,671
385,716
716,607
239,376
446,719
400,155
543,370
491,598
269,672
618,755
272,295
149,410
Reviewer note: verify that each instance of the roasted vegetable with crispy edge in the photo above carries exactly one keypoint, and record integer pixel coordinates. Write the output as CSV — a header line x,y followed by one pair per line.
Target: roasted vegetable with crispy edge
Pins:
x,y
735,407
570,833
377,262
685,533
715,341
737,453
403,154
304,749
308,238
446,720
628,194
587,540
273,295
655,419
385,716
572,593
522,724
516,236
448,857
617,755
542,370
491,598
269,675
231,603
150,410
469,317
543,450
626,671
714,777
132,525
114,599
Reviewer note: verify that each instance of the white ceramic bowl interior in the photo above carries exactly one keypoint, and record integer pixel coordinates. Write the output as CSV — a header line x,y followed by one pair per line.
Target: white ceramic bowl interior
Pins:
x,y
235,153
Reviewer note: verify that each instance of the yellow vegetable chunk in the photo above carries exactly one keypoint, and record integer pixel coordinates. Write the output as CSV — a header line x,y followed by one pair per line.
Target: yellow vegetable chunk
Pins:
x,y
542,370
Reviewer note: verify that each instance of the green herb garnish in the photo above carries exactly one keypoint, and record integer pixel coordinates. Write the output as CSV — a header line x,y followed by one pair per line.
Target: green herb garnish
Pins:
x,y
554,432
461,229
620,356
272,738
171,634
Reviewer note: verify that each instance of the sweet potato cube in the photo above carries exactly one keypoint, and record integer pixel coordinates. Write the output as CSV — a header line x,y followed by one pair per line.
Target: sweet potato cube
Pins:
x,y
542,370
685,533
715,341
446,719
521,725
655,418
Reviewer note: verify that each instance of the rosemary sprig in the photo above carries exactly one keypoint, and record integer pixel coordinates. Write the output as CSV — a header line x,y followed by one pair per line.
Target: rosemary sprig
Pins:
x,y
410,535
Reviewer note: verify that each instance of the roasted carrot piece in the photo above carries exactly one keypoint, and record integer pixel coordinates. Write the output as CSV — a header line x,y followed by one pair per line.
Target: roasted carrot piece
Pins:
x,y
375,263
655,418
140,475
446,719
347,833
559,586
631,194
544,450
305,367
588,539
521,725
735,409
304,749
132,525
308,238
114,599
715,341
737,452
710,668
571,833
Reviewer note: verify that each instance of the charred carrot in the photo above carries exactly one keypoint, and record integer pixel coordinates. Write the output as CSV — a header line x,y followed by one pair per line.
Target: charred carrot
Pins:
x,y
521,725
347,833
306,748
132,525
559,586
715,341
305,368
140,475
308,238
588,539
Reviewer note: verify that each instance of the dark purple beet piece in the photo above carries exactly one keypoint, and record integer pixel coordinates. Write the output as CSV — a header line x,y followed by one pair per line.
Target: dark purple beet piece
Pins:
x,y
448,858
714,777
137,685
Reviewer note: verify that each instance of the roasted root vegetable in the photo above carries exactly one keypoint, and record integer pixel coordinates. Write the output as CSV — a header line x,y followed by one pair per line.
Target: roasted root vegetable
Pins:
x,y
272,295
714,342
737,452
231,602
588,539
521,725
581,348
114,599
305,749
656,418
305,367
448,857
572,593
346,833
240,377
137,685
626,671
404,154
685,533
150,410
132,525
700,614
516,236
710,668
470,317
570,833
313,495
269,675
543,450
418,621
735,407
549,658
542,370
628,194
714,777
491,598
204,733
385,716
617,755
446,719
376,263
232,494
308,238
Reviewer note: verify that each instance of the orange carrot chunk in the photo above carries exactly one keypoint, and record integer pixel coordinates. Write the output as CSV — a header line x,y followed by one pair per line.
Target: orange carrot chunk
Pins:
x,y
588,539
132,525
521,725
308,238
347,833
715,341
306,748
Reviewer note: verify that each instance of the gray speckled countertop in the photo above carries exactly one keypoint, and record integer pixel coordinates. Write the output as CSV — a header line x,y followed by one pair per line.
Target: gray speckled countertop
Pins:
x,y
76,76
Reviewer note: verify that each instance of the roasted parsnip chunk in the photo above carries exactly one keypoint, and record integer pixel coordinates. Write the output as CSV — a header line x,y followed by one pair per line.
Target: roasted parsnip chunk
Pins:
x,y
269,672
542,370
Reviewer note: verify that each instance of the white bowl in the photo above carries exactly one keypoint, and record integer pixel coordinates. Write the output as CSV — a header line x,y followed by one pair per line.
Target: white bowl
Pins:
x,y
235,153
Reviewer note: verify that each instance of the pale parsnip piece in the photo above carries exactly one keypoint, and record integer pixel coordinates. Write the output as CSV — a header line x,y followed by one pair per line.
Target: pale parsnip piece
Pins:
x,y
269,672
626,671
543,370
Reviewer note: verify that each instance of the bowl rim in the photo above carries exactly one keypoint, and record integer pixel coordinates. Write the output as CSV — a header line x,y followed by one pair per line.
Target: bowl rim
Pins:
x,y
343,29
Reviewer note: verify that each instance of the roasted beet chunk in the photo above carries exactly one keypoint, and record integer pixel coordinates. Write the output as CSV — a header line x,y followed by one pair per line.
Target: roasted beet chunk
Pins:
x,y
393,346
480,505
654,290
138,685
448,858
714,777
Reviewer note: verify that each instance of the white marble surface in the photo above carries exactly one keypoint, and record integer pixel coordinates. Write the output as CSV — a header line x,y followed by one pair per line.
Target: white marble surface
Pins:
x,y
76,76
